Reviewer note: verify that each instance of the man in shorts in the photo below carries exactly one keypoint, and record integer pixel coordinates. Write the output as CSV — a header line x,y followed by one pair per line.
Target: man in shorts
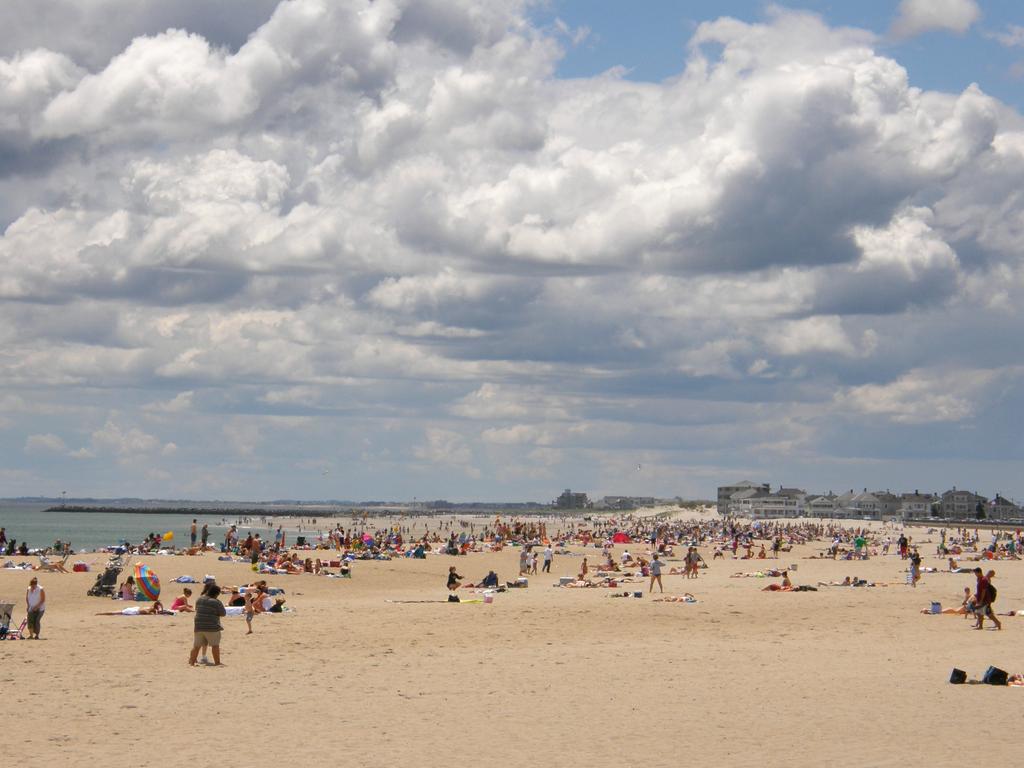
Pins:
x,y
207,624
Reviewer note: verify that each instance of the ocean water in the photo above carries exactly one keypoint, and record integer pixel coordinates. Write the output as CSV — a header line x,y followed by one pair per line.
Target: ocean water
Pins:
x,y
95,530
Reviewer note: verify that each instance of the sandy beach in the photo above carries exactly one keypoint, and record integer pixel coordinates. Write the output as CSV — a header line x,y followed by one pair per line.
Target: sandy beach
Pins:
x,y
544,674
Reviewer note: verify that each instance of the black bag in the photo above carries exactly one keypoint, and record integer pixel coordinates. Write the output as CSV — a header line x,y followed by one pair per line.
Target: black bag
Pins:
x,y
991,593
453,599
995,676
958,677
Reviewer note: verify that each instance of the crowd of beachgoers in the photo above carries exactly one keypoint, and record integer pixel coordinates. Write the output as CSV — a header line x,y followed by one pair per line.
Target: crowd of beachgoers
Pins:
x,y
622,553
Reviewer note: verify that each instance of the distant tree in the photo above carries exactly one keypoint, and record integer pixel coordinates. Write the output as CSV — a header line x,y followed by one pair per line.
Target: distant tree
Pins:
x,y
979,511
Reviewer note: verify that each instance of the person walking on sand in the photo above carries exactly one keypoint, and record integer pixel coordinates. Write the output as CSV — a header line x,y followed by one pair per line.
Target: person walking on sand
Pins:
x,y
655,574
983,599
35,605
207,626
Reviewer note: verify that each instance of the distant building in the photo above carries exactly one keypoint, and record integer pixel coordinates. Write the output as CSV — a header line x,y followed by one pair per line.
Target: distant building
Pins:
x,y
915,506
962,505
570,500
821,506
1003,509
625,503
759,504
725,493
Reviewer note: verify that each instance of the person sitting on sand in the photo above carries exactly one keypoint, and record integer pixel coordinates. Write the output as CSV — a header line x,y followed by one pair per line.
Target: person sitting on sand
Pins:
x,y
236,599
278,606
181,602
127,589
45,564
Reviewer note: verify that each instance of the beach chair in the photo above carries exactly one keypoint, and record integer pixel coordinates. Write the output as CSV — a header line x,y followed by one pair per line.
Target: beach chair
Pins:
x,y
6,633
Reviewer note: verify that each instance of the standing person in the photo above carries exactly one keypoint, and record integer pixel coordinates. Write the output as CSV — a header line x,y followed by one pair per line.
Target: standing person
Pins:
x,y
983,599
250,609
915,567
3,538
254,554
655,574
207,624
205,535
549,555
192,533
524,555
35,605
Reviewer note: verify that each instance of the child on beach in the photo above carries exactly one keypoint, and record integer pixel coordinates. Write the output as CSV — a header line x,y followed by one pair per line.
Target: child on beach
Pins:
x,y
181,602
250,609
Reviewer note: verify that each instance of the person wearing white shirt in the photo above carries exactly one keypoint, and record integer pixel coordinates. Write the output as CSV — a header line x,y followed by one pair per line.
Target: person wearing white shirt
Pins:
x,y
35,605
548,557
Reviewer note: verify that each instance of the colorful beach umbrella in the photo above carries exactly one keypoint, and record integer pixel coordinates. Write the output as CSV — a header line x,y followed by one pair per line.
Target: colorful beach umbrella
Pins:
x,y
147,582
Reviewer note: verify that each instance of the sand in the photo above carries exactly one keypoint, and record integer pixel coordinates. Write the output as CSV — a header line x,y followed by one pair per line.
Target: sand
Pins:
x,y
543,675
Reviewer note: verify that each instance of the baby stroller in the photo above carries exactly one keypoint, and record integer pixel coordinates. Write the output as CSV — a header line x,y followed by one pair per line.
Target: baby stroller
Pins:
x,y
106,582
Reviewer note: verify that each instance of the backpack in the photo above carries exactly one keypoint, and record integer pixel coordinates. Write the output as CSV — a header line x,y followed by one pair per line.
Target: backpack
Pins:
x,y
991,593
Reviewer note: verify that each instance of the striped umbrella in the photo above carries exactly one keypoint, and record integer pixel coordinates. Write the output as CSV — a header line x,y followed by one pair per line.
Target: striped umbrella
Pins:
x,y
147,582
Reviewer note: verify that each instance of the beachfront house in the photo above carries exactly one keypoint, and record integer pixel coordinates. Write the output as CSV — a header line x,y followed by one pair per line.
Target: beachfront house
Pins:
x,y
757,504
915,506
962,505
570,500
1001,508
821,506
726,492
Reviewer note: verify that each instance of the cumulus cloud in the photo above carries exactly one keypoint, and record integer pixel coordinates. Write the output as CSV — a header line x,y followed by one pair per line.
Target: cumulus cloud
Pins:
x,y
1013,37
392,224
447,448
124,442
920,397
917,16
47,443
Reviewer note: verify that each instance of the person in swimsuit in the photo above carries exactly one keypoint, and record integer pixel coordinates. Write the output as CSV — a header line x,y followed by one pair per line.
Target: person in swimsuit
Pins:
x,y
181,602
454,579
655,574
250,609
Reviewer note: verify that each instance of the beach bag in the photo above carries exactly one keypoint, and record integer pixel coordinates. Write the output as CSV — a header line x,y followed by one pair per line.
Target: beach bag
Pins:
x,y
453,599
995,676
991,593
958,677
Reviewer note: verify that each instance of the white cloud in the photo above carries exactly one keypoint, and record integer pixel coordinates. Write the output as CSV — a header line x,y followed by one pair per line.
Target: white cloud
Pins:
x,y
447,448
180,403
1013,37
920,397
394,215
812,334
917,16
48,443
127,443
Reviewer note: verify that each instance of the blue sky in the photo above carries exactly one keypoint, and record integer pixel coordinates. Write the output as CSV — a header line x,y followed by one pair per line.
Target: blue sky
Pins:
x,y
649,39
256,249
